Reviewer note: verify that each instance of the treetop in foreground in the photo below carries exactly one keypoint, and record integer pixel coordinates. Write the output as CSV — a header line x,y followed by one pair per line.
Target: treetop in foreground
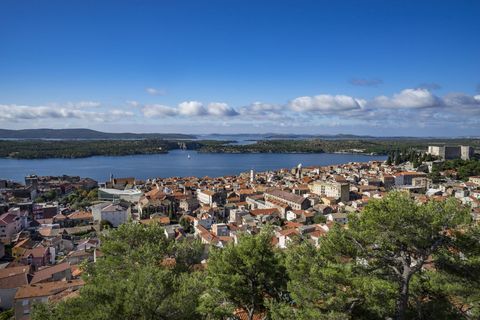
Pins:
x,y
397,259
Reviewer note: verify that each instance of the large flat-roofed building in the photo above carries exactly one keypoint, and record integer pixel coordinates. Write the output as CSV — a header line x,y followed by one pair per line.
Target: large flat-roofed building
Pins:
x,y
451,152
337,190
292,200
108,194
406,178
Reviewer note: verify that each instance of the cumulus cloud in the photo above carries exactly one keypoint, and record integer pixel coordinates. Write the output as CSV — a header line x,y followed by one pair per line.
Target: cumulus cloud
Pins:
x,y
463,103
158,111
221,109
362,82
155,91
325,103
16,113
409,99
410,107
192,108
260,108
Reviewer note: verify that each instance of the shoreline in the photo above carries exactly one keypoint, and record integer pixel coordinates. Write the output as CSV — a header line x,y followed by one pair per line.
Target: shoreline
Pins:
x,y
197,151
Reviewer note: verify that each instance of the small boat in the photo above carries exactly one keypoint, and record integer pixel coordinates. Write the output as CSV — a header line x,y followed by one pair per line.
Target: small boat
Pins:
x,y
188,156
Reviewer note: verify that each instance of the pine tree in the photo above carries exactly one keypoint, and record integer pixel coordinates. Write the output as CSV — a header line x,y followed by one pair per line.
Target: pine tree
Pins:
x,y
397,159
389,160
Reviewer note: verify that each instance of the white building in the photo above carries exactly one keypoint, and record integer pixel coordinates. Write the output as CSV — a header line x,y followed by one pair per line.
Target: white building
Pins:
x,y
108,194
115,213
210,197
332,189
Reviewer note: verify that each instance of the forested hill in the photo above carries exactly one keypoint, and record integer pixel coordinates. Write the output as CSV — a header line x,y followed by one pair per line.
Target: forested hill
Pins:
x,y
66,134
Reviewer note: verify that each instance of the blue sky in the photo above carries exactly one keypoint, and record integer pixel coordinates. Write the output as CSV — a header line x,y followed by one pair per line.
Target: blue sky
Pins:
x,y
363,67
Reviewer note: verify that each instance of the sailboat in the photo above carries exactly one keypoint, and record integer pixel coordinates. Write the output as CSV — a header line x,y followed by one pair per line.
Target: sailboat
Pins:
x,y
188,156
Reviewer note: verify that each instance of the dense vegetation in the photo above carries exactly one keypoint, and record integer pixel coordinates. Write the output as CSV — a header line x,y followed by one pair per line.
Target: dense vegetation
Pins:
x,y
136,279
464,168
80,198
396,260
408,155
38,149
371,146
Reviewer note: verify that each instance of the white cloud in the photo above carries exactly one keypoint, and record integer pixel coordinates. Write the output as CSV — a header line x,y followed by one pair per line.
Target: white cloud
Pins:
x,y
80,104
133,103
409,99
408,108
221,109
158,111
463,103
156,92
15,113
326,103
260,108
116,113
189,109
192,108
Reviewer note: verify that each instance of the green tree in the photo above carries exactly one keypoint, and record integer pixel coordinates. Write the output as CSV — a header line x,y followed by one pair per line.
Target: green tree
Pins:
x,y
375,268
319,218
105,224
395,237
186,225
397,159
7,314
389,160
244,276
136,279
327,283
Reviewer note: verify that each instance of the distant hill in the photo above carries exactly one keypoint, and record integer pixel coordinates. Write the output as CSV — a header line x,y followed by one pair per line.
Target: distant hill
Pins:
x,y
73,134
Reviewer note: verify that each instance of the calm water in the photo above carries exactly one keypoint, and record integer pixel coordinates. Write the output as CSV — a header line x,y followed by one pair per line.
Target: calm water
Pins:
x,y
175,163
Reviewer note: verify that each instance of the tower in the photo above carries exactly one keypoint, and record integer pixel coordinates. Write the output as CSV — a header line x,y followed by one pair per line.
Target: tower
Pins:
x,y
299,171
31,180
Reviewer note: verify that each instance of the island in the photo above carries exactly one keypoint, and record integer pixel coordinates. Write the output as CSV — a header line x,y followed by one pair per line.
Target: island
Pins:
x,y
43,149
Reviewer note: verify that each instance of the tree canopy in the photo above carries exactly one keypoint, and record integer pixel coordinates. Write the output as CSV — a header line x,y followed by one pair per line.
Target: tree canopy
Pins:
x,y
136,279
243,277
395,259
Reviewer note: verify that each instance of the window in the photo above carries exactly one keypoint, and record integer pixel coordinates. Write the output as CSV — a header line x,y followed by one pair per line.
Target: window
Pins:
x,y
25,302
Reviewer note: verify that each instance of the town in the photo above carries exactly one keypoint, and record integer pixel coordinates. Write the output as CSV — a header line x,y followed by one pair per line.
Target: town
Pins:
x,y
51,226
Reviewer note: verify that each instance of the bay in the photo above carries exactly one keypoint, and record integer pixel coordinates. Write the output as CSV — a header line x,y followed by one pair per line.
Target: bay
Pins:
x,y
172,164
